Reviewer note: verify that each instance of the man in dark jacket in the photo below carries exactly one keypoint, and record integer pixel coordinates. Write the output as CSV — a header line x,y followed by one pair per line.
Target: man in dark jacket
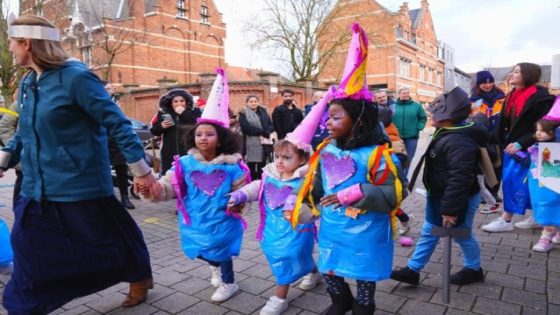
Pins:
x,y
450,172
286,116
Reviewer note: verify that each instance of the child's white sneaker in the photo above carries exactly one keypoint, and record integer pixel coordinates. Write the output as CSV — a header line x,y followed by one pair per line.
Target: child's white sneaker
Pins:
x,y
224,292
528,223
498,225
274,306
404,227
216,276
310,281
543,246
556,239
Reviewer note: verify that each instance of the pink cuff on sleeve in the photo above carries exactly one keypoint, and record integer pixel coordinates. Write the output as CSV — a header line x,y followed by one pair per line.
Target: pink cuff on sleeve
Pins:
x,y
350,195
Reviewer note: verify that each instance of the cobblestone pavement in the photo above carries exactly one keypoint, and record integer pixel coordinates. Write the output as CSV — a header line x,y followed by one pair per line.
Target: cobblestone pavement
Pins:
x,y
518,280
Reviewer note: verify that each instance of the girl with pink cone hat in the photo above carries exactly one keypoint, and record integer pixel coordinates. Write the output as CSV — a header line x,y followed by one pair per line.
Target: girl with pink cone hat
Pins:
x,y
288,251
201,181
353,181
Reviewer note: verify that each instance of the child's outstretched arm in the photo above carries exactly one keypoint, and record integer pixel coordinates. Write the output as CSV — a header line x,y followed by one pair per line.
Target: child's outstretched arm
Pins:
x,y
247,193
370,197
162,189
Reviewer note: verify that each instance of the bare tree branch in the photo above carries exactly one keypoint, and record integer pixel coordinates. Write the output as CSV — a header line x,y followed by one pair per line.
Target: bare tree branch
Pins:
x,y
10,72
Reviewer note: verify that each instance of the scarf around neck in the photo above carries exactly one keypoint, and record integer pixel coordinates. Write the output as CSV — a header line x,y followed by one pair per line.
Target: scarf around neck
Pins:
x,y
254,149
517,100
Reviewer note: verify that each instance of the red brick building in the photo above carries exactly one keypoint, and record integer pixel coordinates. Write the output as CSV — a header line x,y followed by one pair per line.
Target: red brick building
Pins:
x,y
138,42
402,47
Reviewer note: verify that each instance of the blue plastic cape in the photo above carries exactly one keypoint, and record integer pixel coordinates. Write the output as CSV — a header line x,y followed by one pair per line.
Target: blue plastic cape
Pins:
x,y
289,252
360,248
6,253
514,186
545,202
212,234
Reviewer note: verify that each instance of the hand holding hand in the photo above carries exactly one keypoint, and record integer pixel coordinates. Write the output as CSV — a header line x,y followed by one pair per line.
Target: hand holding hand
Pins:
x,y
141,183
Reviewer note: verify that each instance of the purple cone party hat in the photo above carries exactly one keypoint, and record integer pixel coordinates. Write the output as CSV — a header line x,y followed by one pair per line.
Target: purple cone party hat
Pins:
x,y
554,113
353,84
216,109
303,134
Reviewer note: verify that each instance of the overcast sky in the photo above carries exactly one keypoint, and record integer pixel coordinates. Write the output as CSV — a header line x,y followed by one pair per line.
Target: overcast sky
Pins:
x,y
483,32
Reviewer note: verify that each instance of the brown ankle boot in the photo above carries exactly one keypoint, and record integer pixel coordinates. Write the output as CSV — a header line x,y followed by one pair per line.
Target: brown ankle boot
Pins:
x,y
138,292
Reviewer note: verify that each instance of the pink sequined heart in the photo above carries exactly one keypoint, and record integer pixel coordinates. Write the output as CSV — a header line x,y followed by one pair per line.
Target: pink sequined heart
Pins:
x,y
275,197
337,170
208,183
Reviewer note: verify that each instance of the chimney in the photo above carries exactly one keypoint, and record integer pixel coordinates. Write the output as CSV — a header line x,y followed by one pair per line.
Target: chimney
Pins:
x,y
404,8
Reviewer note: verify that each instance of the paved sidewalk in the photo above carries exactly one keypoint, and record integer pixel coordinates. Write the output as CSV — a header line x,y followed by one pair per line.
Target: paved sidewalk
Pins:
x,y
518,280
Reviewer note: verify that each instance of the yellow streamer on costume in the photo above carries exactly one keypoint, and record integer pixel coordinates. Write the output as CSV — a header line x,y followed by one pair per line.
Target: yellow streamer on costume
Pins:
x,y
307,186
9,112
398,189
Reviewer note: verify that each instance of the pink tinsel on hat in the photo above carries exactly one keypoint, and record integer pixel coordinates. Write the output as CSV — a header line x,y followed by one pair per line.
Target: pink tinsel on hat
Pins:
x,y
354,83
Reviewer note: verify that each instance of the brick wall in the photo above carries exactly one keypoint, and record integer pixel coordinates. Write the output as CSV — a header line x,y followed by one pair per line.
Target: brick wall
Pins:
x,y
165,46
142,104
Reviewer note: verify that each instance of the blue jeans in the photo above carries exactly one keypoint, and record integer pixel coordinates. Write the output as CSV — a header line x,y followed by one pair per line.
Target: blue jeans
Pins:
x,y
410,145
428,242
226,269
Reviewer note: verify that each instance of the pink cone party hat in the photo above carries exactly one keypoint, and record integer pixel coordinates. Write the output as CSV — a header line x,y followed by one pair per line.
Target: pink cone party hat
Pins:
x,y
216,109
554,113
353,84
303,134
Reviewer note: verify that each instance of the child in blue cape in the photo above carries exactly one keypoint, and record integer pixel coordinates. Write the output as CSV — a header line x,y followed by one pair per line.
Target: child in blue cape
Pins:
x,y
358,190
201,180
6,253
544,201
288,251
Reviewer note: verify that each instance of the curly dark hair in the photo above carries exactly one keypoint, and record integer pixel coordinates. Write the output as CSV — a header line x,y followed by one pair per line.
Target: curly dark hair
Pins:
x,y
228,143
366,129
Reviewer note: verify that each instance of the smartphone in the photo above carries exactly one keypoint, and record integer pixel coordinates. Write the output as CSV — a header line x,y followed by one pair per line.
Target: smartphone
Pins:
x,y
168,118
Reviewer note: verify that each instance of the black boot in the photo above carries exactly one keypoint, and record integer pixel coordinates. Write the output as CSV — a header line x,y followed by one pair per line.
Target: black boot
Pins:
x,y
126,202
466,276
359,309
341,303
406,275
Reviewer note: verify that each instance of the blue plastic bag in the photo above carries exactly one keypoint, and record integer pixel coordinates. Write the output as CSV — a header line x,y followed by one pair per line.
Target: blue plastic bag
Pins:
x,y
6,253
515,186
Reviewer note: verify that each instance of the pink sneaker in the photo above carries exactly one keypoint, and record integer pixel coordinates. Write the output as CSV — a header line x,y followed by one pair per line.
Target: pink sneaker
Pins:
x,y
543,246
556,238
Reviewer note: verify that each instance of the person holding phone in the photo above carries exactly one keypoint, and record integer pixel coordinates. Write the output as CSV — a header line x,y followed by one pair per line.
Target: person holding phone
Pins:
x,y
176,117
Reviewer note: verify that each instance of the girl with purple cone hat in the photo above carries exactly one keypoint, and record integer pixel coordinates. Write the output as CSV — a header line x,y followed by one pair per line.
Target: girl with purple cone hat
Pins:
x,y
355,184
544,200
288,251
201,181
